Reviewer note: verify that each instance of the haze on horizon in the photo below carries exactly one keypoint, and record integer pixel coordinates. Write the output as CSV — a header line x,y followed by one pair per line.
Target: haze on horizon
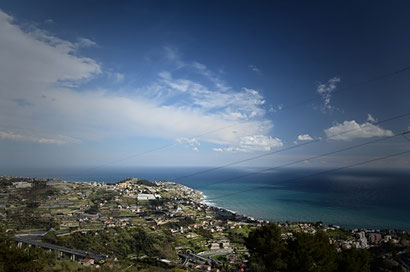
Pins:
x,y
184,83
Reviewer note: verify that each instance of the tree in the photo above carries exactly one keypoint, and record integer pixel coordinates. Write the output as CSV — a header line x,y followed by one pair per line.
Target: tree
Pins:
x,y
266,248
16,259
307,252
50,237
354,260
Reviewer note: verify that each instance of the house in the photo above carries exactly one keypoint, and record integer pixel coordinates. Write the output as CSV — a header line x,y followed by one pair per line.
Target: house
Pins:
x,y
87,262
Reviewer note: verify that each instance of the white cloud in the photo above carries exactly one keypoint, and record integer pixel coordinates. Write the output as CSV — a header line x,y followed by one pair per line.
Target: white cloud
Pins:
x,y
39,58
255,69
211,76
259,142
174,57
43,140
365,130
245,104
84,42
253,143
40,69
191,142
370,118
229,149
305,137
326,90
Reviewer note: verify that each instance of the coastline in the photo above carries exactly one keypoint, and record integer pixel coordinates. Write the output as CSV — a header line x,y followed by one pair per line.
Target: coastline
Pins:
x,y
235,213
204,201
211,204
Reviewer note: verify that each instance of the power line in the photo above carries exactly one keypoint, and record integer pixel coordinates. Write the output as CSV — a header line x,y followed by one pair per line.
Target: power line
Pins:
x,y
358,84
156,149
405,135
289,148
380,77
299,161
311,175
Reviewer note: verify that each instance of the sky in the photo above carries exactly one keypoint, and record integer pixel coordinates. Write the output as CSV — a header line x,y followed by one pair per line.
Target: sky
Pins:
x,y
202,83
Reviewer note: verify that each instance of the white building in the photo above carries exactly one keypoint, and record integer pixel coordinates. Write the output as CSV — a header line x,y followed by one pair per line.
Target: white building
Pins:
x,y
147,196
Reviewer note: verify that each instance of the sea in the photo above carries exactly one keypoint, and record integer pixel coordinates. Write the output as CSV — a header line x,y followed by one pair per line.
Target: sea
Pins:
x,y
359,198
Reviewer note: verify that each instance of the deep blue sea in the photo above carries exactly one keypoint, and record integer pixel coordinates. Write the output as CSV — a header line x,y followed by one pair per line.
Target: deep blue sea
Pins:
x,y
355,198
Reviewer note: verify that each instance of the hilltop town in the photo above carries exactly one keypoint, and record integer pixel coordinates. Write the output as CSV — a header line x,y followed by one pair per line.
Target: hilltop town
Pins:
x,y
137,224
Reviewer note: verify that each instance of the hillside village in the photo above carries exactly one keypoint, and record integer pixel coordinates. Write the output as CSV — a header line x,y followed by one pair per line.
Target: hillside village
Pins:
x,y
151,224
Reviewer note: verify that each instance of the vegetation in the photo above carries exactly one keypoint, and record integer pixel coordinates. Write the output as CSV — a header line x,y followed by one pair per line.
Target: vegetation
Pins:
x,y
25,220
94,209
354,260
236,237
138,181
267,249
38,192
184,222
102,195
204,233
15,259
303,252
119,242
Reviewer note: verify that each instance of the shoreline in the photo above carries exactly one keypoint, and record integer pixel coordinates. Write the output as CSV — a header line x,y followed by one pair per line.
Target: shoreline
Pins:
x,y
203,201
213,205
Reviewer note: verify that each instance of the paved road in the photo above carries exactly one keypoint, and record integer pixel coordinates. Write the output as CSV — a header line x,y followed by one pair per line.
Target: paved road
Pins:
x,y
70,251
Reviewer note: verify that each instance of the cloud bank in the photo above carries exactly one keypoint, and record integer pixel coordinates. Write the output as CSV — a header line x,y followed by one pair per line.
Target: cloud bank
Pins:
x,y
41,102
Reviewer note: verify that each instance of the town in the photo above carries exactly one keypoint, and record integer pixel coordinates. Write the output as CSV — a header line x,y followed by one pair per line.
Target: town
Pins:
x,y
141,224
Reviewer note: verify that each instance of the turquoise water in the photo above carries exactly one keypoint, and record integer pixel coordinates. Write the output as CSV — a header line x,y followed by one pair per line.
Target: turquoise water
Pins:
x,y
353,199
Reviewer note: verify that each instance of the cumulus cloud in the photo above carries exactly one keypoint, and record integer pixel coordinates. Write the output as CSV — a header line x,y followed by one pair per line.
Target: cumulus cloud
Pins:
x,y
365,130
259,142
39,73
325,90
305,137
253,143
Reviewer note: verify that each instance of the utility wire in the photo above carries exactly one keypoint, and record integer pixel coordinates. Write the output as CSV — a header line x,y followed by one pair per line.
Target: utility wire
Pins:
x,y
157,149
314,174
299,161
289,148
380,77
358,84
376,78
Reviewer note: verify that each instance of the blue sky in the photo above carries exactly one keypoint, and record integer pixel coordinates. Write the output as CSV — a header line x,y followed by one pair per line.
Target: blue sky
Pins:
x,y
86,83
